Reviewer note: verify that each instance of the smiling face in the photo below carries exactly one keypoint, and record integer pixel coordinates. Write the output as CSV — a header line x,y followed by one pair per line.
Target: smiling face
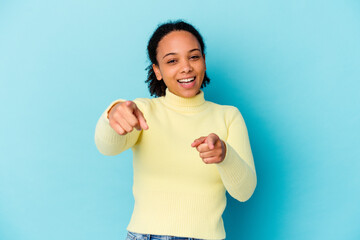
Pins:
x,y
181,63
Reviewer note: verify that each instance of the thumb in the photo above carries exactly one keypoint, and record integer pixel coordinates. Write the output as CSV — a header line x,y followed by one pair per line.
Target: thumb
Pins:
x,y
139,115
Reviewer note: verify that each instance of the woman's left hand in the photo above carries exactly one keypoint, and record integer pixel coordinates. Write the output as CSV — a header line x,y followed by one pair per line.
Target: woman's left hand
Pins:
x,y
211,148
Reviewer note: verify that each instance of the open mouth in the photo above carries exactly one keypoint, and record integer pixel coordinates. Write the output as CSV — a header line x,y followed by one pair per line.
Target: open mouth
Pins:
x,y
186,80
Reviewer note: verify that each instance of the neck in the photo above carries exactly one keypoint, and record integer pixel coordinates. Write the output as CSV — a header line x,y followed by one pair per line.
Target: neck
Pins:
x,y
182,103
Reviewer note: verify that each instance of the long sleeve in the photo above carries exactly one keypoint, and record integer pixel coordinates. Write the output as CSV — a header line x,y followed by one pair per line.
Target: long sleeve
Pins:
x,y
110,142
237,170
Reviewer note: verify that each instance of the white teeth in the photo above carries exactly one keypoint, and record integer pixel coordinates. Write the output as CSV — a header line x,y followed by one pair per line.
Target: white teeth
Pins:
x,y
186,80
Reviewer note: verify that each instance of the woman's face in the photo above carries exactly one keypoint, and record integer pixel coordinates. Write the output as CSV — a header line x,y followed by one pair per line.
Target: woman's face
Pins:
x,y
180,63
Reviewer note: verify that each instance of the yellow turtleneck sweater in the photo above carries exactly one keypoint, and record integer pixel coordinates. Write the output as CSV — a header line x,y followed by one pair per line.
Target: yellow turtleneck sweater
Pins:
x,y
175,192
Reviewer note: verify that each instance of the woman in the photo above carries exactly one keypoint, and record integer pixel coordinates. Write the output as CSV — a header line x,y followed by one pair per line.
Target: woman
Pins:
x,y
187,151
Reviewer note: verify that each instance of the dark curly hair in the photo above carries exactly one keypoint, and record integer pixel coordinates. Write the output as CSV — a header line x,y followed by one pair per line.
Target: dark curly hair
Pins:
x,y
157,87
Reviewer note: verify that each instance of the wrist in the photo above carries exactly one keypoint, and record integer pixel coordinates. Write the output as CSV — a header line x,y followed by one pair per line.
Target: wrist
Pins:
x,y
223,155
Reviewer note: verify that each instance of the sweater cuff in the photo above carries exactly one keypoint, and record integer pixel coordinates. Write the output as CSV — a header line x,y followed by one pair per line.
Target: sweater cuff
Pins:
x,y
233,166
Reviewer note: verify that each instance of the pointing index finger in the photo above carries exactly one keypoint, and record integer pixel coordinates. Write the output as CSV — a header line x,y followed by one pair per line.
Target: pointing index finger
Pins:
x,y
211,140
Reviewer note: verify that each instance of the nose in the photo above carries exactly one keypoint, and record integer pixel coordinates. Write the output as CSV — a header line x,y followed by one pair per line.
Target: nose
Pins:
x,y
186,67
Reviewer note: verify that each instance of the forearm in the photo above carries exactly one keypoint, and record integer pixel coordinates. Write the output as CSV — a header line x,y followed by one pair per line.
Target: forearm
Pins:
x,y
238,176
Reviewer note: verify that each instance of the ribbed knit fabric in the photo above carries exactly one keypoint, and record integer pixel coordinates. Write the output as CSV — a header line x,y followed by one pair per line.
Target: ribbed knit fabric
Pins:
x,y
175,192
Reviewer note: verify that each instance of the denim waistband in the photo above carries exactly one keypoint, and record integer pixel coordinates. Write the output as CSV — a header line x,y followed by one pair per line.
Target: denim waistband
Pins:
x,y
140,236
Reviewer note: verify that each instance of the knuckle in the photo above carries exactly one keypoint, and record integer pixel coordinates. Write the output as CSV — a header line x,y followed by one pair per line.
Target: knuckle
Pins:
x,y
111,115
113,125
134,123
126,127
121,131
120,107
116,114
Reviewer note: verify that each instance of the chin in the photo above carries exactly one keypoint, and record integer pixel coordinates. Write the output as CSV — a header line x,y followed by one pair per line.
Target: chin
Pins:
x,y
190,94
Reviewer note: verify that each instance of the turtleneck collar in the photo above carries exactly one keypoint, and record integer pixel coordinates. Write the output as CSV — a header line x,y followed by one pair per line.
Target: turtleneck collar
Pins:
x,y
195,103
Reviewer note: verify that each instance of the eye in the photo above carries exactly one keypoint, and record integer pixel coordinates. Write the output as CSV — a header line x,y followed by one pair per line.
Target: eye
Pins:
x,y
171,61
195,57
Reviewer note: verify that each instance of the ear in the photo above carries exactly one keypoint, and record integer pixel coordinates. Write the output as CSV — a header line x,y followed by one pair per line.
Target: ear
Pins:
x,y
204,60
157,72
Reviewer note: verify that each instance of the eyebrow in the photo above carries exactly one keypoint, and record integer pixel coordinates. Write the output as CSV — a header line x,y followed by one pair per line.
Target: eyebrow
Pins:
x,y
192,50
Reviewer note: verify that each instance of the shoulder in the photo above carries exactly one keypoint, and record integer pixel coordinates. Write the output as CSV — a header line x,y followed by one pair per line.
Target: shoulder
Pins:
x,y
227,110
142,101
145,104
229,113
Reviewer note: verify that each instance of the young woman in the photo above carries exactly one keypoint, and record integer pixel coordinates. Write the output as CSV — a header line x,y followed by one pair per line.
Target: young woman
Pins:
x,y
186,151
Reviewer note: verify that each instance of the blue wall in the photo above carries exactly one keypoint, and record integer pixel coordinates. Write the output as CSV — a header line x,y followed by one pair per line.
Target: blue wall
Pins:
x,y
291,67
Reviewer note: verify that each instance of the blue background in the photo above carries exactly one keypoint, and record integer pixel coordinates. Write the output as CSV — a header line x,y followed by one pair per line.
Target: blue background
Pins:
x,y
291,67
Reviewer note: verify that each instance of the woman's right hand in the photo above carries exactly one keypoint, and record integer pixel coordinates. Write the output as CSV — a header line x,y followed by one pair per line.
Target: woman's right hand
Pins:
x,y
125,116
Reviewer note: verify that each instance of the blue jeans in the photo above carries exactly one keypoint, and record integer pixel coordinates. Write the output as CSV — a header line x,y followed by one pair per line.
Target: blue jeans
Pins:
x,y
139,236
